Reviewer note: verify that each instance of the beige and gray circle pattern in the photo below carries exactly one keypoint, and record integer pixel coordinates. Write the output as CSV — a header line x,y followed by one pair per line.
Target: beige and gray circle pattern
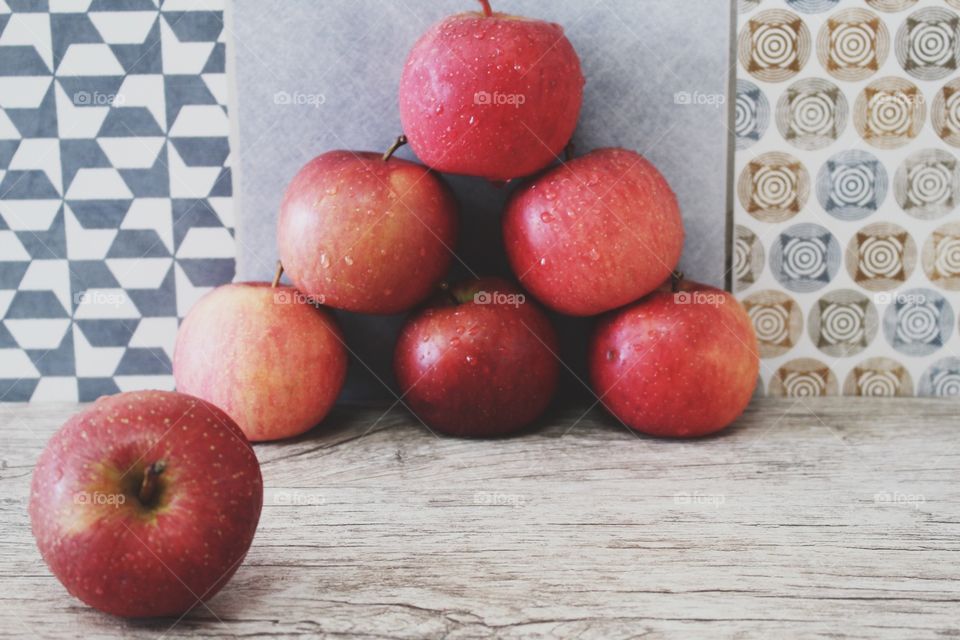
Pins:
x,y
941,257
927,184
881,256
846,248
853,44
878,377
945,113
774,187
889,112
803,378
777,320
774,45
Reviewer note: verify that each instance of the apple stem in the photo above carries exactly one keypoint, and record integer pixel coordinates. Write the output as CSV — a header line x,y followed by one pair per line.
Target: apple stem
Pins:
x,y
399,142
677,277
487,11
277,275
148,488
568,152
445,287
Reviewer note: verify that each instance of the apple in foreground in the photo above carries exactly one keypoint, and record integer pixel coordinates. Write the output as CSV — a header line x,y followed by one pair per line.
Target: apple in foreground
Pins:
x,y
490,95
145,503
595,233
678,363
479,361
366,234
265,355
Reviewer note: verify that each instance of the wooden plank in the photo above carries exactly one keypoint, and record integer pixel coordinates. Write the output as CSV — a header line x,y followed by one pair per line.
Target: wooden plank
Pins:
x,y
839,518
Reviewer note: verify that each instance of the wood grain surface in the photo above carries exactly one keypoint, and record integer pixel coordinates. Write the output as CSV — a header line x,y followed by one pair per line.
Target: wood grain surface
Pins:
x,y
835,518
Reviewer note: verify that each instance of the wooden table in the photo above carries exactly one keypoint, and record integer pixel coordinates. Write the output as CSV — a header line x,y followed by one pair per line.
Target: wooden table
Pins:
x,y
834,518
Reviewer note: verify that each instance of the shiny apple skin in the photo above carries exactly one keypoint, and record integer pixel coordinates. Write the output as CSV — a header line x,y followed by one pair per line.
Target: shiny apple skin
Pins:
x,y
478,370
367,235
271,360
676,369
529,71
594,234
128,559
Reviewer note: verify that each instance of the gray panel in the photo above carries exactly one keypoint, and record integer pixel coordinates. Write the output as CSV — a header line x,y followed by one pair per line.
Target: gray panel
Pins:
x,y
637,56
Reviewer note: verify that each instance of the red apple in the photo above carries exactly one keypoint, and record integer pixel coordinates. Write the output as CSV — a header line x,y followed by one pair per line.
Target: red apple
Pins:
x,y
367,234
490,95
479,361
263,354
145,503
676,364
594,233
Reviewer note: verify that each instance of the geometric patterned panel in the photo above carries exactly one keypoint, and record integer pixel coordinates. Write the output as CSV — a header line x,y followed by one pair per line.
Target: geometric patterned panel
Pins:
x,y
847,242
115,189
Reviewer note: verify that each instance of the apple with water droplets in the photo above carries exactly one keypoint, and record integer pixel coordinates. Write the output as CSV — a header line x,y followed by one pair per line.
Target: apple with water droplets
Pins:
x,y
594,233
145,503
491,95
681,363
266,355
479,361
366,234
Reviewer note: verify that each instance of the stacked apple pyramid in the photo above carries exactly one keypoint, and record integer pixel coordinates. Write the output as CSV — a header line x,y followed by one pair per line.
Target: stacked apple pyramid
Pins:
x,y
482,94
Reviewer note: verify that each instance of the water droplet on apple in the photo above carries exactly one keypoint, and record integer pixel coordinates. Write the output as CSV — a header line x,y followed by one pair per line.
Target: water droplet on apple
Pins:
x,y
612,354
454,341
546,217
517,67
543,262
471,360
324,260
348,260
459,329
472,120
438,109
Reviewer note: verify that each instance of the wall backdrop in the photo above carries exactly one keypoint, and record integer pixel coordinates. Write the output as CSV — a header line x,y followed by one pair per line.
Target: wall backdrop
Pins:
x,y
847,191
115,190
116,210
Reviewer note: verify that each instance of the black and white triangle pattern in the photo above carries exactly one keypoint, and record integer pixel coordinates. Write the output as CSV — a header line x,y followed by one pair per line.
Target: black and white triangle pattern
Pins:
x,y
115,189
